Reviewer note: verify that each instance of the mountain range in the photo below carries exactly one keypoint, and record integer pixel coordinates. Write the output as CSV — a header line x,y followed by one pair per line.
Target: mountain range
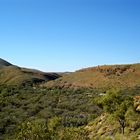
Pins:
x,y
106,76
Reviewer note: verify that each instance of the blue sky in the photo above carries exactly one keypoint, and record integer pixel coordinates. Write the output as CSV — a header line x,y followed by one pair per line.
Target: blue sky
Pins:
x,y
66,35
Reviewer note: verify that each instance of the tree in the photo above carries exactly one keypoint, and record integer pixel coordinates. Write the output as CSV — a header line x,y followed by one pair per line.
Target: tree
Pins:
x,y
116,103
33,130
39,129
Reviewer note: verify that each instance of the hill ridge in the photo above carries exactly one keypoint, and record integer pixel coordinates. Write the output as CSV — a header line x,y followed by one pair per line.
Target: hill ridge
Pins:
x,y
15,75
105,76
4,63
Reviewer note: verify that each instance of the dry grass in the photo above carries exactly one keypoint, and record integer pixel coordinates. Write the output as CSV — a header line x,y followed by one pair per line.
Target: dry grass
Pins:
x,y
101,77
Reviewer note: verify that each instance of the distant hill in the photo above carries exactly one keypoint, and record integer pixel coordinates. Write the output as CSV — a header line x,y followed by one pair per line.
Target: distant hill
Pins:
x,y
4,63
106,76
14,75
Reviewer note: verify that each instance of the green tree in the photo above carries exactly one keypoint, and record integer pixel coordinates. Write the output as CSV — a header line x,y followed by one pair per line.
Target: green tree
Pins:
x,y
116,103
54,125
39,129
33,130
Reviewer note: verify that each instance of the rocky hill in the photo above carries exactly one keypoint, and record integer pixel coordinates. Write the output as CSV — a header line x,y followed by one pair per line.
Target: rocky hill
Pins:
x,y
106,76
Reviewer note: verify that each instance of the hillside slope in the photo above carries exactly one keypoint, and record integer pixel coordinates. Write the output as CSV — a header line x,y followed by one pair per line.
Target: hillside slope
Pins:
x,y
4,63
13,75
100,77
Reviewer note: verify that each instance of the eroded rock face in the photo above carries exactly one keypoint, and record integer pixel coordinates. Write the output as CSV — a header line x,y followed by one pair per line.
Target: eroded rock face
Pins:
x,y
137,103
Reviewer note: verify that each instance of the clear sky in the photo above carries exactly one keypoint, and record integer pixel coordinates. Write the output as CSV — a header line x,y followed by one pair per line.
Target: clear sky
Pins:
x,y
66,35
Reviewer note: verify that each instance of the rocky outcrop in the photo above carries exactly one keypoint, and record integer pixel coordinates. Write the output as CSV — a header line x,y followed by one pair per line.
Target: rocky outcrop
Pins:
x,y
137,103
